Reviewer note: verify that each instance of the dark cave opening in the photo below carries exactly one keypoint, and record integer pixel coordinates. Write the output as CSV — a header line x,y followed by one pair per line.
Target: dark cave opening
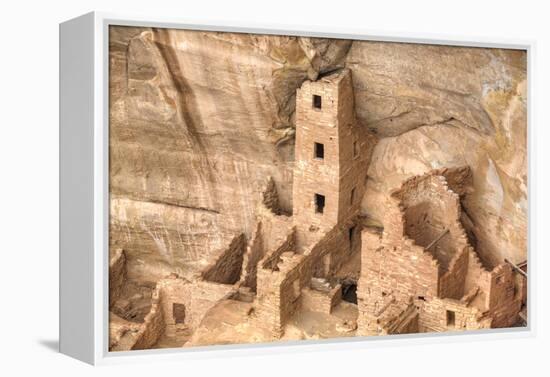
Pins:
x,y
349,293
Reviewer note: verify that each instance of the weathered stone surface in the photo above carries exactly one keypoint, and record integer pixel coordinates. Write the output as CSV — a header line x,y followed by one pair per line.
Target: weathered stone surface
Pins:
x,y
439,106
223,217
199,120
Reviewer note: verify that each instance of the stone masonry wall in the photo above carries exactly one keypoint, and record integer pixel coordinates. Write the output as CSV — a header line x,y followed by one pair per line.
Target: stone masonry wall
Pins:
x,y
330,252
321,301
504,297
312,175
117,275
356,145
340,176
293,275
279,290
402,269
453,282
153,325
197,297
396,266
283,274
434,318
271,197
477,275
272,271
255,251
275,228
405,322
272,258
226,268
430,208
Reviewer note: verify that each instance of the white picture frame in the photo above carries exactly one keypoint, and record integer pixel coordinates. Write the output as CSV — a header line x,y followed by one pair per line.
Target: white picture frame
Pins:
x,y
84,190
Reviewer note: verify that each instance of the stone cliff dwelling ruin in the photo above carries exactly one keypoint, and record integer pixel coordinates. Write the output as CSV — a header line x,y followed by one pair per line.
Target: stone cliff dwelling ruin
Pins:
x,y
325,270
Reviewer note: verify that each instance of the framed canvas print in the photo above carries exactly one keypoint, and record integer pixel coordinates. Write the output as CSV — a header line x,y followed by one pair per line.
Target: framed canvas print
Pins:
x,y
225,187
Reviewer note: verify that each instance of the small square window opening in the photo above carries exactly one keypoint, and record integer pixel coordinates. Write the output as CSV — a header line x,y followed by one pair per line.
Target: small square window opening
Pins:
x,y
319,203
450,318
317,102
319,150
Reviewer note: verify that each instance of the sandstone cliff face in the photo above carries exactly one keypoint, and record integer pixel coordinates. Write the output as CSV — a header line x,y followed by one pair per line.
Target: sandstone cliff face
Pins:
x,y
438,106
199,120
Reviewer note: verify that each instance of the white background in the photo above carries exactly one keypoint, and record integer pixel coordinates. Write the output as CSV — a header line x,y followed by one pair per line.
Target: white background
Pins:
x,y
29,185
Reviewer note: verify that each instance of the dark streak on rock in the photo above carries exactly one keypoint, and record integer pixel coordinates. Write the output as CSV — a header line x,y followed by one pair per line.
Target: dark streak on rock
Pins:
x,y
188,102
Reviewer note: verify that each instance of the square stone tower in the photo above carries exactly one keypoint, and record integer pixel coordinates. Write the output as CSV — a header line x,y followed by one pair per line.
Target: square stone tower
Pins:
x,y
331,154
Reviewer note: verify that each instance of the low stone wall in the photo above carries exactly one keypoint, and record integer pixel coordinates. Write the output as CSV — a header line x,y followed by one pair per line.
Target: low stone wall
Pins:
x,y
283,274
389,317
117,275
270,198
406,322
477,275
507,314
293,272
197,297
226,268
504,297
430,208
452,283
321,301
450,287
255,251
331,251
272,258
408,270
153,326
450,315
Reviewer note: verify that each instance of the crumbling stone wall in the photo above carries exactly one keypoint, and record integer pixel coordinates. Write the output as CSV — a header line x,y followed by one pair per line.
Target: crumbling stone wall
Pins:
x,y
477,275
334,249
174,294
405,322
291,278
331,157
452,284
449,287
271,260
272,233
197,297
274,227
431,208
407,270
226,268
284,274
322,301
270,198
504,298
390,316
279,290
501,285
271,273
255,251
153,326
117,275
434,316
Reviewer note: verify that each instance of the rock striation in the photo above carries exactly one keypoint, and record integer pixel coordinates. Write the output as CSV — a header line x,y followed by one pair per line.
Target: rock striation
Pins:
x,y
199,121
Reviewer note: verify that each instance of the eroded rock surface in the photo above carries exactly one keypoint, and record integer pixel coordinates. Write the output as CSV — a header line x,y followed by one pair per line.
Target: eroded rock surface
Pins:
x,y
198,120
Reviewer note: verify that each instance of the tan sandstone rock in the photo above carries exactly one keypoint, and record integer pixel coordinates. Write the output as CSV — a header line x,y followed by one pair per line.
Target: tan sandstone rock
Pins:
x,y
200,119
